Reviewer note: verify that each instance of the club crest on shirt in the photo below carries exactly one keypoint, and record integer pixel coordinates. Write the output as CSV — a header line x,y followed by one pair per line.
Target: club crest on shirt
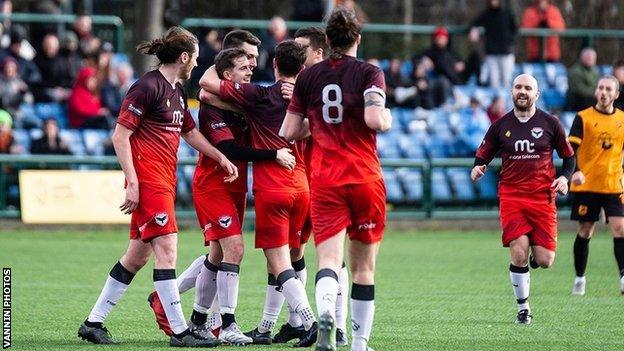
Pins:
x,y
508,133
237,86
182,102
225,221
537,132
168,103
161,219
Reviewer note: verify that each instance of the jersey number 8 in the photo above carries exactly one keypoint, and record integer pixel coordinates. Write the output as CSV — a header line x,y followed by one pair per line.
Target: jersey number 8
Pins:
x,y
336,103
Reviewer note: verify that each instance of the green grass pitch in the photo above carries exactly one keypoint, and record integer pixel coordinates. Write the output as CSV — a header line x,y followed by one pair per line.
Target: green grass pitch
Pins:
x,y
435,291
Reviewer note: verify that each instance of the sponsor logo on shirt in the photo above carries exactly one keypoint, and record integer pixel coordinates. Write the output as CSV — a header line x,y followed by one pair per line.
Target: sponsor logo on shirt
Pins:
x,y
161,219
524,146
367,226
237,86
218,125
225,221
135,110
537,132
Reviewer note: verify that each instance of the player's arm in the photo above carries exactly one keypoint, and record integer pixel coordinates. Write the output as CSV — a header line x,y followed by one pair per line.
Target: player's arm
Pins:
x,y
566,152
294,127
576,139
485,153
214,100
121,143
210,81
194,138
376,115
237,152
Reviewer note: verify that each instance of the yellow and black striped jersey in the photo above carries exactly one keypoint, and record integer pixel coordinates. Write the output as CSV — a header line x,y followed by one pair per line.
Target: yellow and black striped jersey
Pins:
x,y
600,139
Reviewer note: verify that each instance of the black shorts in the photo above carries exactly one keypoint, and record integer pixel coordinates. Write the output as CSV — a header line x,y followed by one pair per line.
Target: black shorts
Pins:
x,y
586,206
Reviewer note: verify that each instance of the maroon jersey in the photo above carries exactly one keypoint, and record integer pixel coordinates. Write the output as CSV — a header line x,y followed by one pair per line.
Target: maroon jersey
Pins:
x,y
157,113
218,125
266,108
331,95
526,150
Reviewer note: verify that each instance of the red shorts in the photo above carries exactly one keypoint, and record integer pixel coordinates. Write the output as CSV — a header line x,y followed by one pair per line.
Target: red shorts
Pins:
x,y
279,218
360,208
220,213
155,215
306,231
534,217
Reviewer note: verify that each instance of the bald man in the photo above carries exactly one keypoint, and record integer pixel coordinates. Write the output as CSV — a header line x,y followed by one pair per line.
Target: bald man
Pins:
x,y
526,137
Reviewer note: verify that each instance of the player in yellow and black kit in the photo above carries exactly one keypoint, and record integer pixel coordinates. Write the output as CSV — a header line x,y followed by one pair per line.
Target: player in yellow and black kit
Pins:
x,y
597,136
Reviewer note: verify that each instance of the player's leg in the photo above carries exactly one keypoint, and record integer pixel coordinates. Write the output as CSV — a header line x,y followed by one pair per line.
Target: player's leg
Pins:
x,y
362,257
186,280
520,277
581,254
227,289
293,328
206,290
342,303
117,282
617,230
273,302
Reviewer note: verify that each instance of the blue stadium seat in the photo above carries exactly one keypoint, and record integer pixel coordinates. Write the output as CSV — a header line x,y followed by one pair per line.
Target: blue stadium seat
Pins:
x,y
567,118
184,149
407,68
461,183
487,186
410,147
94,141
189,171
439,186
394,193
412,183
250,196
22,138
387,146
54,110
73,138
553,99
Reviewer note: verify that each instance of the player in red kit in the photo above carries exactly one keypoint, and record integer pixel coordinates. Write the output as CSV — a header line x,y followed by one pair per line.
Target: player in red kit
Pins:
x,y
341,103
281,196
153,116
247,42
526,138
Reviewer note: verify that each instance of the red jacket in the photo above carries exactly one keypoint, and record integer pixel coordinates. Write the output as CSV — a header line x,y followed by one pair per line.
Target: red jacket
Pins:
x,y
532,18
83,103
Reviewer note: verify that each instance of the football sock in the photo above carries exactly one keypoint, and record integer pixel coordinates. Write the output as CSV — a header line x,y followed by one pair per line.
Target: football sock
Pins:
x,y
167,288
227,288
228,319
272,305
302,274
581,251
186,280
521,282
295,295
326,292
205,287
618,249
215,314
362,314
198,318
116,285
342,300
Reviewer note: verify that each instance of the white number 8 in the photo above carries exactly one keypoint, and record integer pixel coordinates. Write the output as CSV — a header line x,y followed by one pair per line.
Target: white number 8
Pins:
x,y
337,103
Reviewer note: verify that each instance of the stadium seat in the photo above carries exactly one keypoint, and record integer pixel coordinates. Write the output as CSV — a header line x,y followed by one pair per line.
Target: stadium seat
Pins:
x,y
439,186
394,193
387,146
410,147
412,183
22,138
94,141
487,186
52,110
73,138
461,183
553,99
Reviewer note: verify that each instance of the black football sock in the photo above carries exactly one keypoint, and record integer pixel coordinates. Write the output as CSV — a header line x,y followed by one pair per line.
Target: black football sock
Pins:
x,y
618,249
581,251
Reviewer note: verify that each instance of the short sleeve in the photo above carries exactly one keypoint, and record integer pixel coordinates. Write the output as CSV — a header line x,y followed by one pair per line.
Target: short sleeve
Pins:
x,y
297,102
576,132
213,126
560,142
134,106
375,82
188,123
490,144
242,95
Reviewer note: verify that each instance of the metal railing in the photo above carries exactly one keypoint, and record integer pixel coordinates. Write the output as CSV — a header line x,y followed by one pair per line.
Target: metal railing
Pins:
x,y
20,17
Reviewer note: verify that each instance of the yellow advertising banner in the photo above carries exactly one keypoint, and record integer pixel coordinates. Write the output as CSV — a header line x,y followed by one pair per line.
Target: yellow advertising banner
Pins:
x,y
68,196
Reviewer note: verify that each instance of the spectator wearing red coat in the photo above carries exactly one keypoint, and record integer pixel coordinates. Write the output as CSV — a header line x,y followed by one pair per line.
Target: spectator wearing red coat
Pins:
x,y
85,107
543,14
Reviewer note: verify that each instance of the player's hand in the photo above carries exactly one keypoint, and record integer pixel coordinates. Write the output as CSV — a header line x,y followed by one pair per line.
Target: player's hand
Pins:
x,y
578,178
560,185
132,198
286,159
287,91
231,170
477,172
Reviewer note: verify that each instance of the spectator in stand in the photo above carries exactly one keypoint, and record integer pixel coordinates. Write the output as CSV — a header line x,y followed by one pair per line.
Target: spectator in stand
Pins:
x,y
352,6
618,72
7,142
84,106
115,89
497,109
543,14
500,32
27,70
209,47
394,80
276,33
50,142
582,80
13,90
472,126
53,72
72,62
446,62
83,27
